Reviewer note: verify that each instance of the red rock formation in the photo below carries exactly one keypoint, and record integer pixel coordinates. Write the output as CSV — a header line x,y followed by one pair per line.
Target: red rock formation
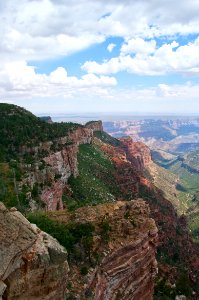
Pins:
x,y
128,264
175,243
52,196
59,165
137,153
32,264
127,177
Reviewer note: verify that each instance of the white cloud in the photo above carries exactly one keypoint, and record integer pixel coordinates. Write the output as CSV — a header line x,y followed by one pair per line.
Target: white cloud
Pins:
x,y
150,60
19,80
111,47
138,45
55,99
47,29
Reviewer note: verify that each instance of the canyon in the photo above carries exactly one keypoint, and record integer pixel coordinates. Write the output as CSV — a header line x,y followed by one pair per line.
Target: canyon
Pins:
x,y
99,193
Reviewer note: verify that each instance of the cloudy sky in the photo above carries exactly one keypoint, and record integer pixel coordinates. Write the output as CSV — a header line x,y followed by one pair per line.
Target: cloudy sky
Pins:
x,y
63,56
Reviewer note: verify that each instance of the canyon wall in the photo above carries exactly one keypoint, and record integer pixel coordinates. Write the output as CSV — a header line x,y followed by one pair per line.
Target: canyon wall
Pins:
x,y
126,249
33,265
128,270
95,125
137,153
58,162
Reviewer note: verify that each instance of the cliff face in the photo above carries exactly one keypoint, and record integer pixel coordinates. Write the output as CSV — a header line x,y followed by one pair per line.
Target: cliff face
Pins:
x,y
126,249
59,162
95,125
137,153
32,264
128,271
175,244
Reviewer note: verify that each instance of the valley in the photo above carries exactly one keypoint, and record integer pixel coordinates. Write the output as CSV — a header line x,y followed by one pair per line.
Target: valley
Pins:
x,y
112,208
174,148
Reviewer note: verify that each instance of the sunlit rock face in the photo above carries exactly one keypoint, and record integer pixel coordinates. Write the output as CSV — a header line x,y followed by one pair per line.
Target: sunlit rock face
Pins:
x,y
137,152
33,265
60,162
127,265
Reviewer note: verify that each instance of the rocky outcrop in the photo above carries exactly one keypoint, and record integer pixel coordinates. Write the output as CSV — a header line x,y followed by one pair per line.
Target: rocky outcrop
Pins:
x,y
127,177
128,270
95,125
58,163
137,153
126,250
175,244
32,264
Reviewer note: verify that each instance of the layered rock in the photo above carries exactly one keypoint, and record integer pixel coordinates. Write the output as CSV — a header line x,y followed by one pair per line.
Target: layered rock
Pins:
x,y
95,125
127,177
137,153
128,265
32,264
128,270
56,166
175,243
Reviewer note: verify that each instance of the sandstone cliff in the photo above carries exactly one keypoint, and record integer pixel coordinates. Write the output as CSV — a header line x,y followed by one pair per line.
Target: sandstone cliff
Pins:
x,y
176,248
126,249
32,264
54,162
137,153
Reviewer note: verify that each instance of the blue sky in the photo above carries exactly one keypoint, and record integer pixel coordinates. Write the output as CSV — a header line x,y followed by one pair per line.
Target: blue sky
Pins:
x,y
64,56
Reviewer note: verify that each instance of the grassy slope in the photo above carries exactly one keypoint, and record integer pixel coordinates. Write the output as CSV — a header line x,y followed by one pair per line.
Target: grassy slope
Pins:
x,y
187,189
192,159
95,183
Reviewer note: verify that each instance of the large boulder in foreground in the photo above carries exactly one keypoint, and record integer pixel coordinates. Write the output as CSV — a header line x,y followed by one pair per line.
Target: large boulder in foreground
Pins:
x,y
33,265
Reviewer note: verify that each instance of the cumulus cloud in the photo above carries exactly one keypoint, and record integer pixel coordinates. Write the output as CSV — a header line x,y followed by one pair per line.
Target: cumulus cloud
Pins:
x,y
19,80
33,30
138,45
47,29
148,59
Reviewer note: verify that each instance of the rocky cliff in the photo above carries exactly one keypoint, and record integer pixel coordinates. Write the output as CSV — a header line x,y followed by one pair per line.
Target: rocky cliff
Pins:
x,y
95,125
32,264
125,240
54,162
137,153
176,247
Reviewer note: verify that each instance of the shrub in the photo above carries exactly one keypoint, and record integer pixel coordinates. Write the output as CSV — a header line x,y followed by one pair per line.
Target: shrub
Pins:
x,y
84,270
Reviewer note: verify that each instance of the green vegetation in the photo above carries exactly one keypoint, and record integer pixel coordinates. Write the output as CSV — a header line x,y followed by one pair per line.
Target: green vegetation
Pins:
x,y
193,221
10,195
84,270
192,159
19,127
164,291
106,138
183,174
96,182
105,229
7,189
69,236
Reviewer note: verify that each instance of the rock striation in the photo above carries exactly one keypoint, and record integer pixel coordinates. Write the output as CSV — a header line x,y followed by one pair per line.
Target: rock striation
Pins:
x,y
32,264
175,243
137,153
58,163
128,270
127,264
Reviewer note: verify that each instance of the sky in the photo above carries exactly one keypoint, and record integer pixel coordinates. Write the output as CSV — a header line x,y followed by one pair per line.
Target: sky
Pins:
x,y
130,56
